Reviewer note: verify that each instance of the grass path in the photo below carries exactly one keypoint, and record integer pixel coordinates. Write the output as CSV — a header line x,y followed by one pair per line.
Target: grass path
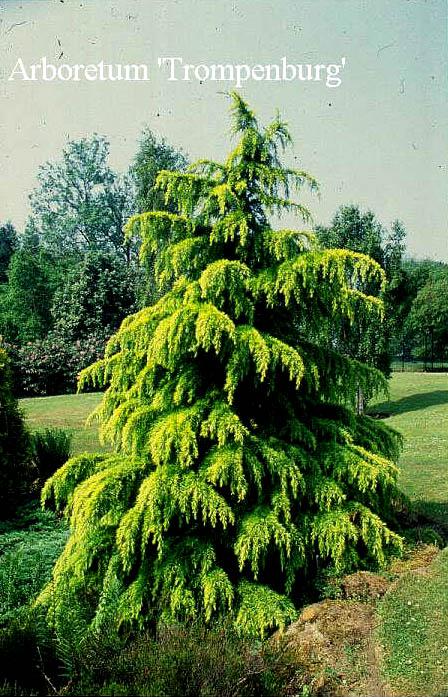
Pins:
x,y
413,628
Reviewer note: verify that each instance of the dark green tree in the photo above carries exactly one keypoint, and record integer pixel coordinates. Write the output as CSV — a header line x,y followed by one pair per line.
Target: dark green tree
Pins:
x,y
95,297
238,456
355,230
153,155
429,316
26,299
408,341
15,461
8,245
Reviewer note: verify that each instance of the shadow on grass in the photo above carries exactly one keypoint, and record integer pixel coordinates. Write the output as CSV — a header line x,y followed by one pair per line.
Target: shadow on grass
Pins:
x,y
414,402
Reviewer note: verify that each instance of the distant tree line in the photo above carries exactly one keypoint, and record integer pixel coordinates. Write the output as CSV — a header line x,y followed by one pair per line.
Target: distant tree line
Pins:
x,y
69,277
415,294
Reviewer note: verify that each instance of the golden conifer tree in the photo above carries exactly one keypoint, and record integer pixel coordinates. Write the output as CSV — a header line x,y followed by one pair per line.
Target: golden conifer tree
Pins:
x,y
238,456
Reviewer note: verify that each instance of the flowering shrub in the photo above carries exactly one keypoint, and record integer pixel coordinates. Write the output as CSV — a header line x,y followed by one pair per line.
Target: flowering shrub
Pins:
x,y
51,365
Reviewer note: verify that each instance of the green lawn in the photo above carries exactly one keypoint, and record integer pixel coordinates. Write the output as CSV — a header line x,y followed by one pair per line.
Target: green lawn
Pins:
x,y
68,412
413,631
418,408
413,616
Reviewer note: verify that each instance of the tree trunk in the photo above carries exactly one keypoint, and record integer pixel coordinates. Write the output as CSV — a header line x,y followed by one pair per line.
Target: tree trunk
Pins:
x,y
360,401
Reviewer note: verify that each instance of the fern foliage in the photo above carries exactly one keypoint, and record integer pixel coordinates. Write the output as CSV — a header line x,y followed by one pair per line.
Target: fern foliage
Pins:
x,y
238,455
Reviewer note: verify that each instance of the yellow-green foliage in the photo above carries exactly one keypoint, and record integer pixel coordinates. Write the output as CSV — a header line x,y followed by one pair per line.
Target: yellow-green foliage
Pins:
x,y
238,455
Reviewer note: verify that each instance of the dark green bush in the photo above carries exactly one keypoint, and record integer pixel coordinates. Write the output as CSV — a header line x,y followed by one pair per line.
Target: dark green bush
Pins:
x,y
425,534
51,448
15,463
193,661
189,661
26,655
29,546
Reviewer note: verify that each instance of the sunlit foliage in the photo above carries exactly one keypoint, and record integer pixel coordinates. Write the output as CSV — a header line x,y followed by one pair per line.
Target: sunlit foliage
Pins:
x,y
238,456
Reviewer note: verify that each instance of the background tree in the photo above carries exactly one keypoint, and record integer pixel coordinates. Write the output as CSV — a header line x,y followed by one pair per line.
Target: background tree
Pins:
x,y
352,229
79,211
26,299
80,204
8,245
417,273
153,155
429,315
96,296
238,458
369,339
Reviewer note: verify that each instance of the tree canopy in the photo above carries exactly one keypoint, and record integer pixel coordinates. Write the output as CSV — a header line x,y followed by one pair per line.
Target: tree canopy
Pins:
x,y
369,339
15,470
238,458
429,313
153,155
8,245
95,296
80,203
25,301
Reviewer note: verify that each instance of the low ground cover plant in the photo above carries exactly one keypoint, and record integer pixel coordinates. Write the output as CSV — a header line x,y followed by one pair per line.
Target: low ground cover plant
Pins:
x,y
51,448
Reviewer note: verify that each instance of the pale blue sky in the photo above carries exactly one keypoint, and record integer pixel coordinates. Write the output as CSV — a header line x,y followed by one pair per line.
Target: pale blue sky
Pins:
x,y
380,139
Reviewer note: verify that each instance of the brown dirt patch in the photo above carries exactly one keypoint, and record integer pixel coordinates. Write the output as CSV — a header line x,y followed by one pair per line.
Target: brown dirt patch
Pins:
x,y
364,586
419,558
332,646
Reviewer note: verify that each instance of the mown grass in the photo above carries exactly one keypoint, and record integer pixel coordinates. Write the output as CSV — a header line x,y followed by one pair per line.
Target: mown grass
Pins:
x,y
413,628
68,412
418,408
414,631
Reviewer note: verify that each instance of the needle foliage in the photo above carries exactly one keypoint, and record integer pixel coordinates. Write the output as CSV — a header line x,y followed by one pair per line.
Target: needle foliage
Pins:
x,y
238,456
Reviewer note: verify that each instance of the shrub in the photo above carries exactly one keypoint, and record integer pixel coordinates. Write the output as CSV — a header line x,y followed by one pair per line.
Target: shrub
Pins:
x,y
193,661
51,366
23,649
199,661
50,449
29,546
15,462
